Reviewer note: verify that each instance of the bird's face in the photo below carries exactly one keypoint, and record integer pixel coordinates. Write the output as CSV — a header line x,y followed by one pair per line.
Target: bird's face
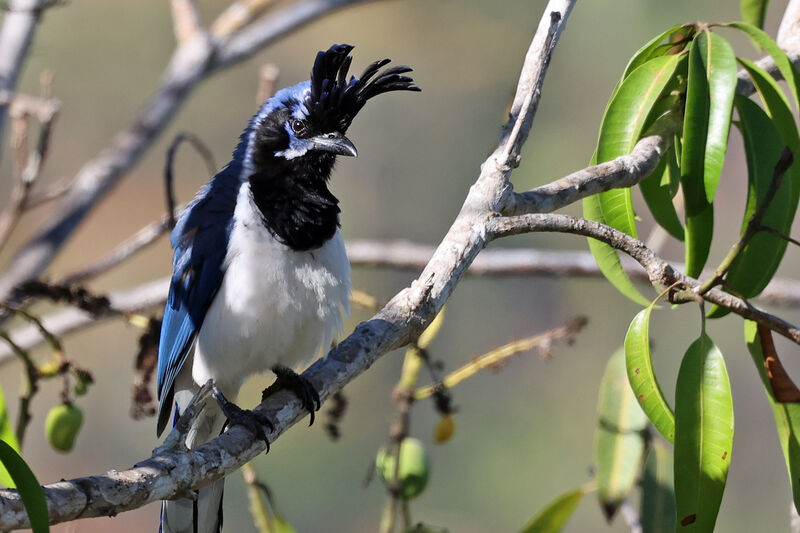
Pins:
x,y
291,132
305,125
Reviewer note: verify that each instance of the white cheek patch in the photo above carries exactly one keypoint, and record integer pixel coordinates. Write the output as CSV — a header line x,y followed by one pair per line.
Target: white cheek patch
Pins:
x,y
297,147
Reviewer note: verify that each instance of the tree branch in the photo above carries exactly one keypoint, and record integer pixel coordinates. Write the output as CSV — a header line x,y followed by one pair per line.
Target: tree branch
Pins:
x,y
661,273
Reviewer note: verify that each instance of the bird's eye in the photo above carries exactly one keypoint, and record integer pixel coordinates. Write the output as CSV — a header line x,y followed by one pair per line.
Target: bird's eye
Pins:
x,y
298,126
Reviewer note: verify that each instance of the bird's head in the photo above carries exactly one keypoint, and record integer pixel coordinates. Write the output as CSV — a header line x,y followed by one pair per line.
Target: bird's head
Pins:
x,y
307,122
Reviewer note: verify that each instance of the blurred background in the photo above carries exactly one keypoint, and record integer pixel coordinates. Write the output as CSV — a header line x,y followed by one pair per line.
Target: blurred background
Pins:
x,y
525,434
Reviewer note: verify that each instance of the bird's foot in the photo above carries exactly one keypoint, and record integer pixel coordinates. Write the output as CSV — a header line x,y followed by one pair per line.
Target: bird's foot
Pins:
x,y
253,421
288,379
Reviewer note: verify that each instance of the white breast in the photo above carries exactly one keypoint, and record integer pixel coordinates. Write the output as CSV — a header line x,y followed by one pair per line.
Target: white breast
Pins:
x,y
275,305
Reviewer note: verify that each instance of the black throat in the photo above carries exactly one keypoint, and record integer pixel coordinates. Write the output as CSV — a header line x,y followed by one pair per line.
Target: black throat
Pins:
x,y
293,198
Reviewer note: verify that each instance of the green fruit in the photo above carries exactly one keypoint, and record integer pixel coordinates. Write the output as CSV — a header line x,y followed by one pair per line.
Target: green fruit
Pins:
x,y
62,425
412,475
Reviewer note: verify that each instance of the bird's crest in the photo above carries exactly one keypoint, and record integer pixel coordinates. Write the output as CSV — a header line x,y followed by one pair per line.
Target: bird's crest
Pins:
x,y
334,99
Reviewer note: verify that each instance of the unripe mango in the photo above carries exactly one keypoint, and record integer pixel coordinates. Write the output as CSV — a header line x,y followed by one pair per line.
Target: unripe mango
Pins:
x,y
412,475
62,426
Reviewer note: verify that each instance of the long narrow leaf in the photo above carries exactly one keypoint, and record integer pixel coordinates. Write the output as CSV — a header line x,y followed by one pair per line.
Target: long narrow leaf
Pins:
x,y
699,212
779,110
29,488
758,262
619,439
8,436
642,377
657,192
553,517
652,49
787,415
763,41
703,435
657,509
623,123
720,66
754,11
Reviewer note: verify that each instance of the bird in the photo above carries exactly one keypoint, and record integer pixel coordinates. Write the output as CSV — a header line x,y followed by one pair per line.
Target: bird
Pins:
x,y
261,280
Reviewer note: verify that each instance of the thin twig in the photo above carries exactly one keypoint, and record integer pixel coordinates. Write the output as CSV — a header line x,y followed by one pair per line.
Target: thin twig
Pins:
x,y
773,231
29,387
30,171
16,36
204,152
185,21
496,357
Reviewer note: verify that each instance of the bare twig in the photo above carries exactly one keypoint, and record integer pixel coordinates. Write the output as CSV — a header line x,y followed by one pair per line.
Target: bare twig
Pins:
x,y
30,170
16,35
237,15
497,357
780,234
267,81
130,247
29,387
204,152
185,21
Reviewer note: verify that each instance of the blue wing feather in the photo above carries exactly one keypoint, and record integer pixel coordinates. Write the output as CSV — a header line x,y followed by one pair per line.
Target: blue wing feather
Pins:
x,y
200,241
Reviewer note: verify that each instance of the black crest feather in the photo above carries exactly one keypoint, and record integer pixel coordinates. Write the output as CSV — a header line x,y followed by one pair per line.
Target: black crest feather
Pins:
x,y
334,100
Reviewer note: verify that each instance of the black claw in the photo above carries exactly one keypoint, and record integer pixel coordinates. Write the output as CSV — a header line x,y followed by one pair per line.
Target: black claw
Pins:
x,y
288,379
251,420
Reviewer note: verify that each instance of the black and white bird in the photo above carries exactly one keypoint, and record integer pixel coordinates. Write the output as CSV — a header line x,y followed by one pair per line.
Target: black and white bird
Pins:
x,y
260,275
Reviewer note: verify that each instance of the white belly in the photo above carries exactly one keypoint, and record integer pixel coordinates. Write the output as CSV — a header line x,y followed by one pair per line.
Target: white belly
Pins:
x,y
275,305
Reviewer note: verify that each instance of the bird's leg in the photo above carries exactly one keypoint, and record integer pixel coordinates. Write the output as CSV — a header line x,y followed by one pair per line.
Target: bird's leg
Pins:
x,y
243,417
288,379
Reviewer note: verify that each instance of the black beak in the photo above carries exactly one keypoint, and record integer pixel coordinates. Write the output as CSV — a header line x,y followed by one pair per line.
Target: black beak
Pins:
x,y
335,143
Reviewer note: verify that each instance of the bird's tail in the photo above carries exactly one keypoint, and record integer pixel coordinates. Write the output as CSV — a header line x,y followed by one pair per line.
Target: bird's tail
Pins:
x,y
203,515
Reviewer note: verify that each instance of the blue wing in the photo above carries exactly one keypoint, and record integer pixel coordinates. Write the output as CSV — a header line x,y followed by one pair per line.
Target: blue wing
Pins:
x,y
200,241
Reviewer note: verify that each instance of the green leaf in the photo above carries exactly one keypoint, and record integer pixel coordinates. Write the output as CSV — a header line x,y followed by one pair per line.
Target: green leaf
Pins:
x,y
619,439
787,415
623,123
754,11
29,488
557,513
654,48
657,192
699,212
642,377
8,436
719,62
764,42
607,258
657,509
697,236
703,435
759,260
280,525
779,110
